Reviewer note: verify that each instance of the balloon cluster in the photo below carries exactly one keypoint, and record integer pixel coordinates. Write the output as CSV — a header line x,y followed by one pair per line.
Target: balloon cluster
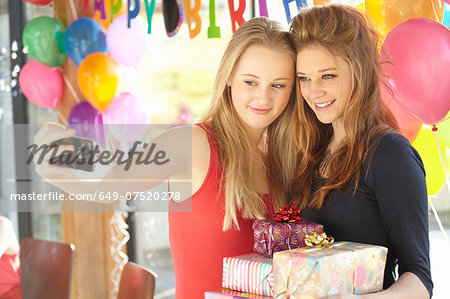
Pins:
x,y
416,68
100,56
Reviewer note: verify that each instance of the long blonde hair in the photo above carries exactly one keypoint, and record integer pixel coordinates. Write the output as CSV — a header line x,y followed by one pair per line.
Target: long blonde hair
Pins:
x,y
344,32
232,142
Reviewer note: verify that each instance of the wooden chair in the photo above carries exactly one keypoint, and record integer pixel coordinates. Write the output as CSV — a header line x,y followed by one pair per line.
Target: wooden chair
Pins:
x,y
136,282
45,269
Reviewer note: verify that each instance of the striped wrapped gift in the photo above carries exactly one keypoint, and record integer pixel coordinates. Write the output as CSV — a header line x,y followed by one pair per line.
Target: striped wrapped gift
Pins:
x,y
249,273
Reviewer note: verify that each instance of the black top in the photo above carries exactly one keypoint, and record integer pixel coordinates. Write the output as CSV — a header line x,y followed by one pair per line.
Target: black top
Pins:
x,y
389,208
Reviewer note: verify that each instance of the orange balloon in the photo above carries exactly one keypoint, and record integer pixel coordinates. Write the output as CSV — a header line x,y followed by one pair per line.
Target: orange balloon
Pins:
x,y
98,79
107,21
386,14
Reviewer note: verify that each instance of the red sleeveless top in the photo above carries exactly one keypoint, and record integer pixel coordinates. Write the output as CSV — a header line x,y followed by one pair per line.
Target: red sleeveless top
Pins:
x,y
197,242
10,277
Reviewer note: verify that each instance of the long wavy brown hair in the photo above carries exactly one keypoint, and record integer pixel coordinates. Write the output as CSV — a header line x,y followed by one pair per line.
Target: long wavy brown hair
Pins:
x,y
346,33
233,144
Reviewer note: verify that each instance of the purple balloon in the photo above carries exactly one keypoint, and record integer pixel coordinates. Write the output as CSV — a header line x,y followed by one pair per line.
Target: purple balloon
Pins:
x,y
127,45
126,109
87,121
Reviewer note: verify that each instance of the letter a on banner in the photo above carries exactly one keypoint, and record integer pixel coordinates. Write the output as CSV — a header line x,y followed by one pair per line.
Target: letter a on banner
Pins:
x,y
300,4
192,15
236,15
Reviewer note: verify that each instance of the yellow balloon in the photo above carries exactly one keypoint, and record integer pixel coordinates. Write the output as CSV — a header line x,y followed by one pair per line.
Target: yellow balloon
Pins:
x,y
386,14
98,79
425,144
444,130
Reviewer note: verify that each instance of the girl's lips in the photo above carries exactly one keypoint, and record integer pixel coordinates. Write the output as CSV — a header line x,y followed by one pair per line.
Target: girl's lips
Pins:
x,y
324,105
259,111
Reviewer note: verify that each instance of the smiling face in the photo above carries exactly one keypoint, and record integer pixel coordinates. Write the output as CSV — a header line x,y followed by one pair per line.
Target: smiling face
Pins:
x,y
261,84
325,84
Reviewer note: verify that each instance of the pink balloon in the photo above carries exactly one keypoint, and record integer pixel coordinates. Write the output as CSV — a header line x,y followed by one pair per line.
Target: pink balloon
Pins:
x,y
126,117
41,84
419,50
127,45
409,125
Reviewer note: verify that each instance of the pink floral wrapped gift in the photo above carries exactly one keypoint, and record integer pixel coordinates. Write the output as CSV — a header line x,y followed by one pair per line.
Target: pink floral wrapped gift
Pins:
x,y
313,272
227,294
287,231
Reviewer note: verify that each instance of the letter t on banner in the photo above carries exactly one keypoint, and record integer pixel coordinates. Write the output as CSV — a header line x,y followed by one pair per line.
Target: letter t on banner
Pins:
x,y
236,15
192,14
300,4
263,8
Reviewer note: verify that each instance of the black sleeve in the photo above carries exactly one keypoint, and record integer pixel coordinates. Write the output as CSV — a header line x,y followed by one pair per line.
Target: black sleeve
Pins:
x,y
397,177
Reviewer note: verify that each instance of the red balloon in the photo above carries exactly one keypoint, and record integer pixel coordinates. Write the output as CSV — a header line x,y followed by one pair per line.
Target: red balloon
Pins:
x,y
419,52
409,125
39,2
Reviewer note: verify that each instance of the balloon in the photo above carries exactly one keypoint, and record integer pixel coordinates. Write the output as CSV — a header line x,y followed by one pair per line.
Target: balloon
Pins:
x,y
128,110
42,36
446,18
41,84
425,144
39,2
127,45
386,14
87,122
83,37
409,125
98,79
120,10
419,50
444,131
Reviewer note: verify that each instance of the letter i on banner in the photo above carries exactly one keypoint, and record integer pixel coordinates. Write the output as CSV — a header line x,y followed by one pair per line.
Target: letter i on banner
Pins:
x,y
300,4
192,14
236,15
263,8
99,5
132,13
213,30
149,9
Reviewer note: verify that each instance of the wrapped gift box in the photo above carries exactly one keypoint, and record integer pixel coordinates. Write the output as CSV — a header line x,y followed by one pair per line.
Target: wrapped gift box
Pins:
x,y
249,273
272,236
227,293
344,267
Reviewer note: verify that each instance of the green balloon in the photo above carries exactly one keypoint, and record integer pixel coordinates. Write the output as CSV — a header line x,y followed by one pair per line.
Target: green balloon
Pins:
x,y
42,36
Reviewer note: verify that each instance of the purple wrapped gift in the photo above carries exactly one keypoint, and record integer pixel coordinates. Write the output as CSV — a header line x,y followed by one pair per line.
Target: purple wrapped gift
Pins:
x,y
272,236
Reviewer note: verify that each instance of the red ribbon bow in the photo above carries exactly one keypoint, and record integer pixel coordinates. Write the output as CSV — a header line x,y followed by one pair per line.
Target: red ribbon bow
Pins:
x,y
288,214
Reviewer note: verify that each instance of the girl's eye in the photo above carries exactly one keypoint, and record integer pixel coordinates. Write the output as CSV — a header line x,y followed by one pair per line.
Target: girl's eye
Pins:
x,y
301,78
328,76
251,83
278,85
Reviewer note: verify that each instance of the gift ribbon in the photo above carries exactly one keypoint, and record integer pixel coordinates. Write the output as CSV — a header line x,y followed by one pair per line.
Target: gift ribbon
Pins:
x,y
323,241
320,240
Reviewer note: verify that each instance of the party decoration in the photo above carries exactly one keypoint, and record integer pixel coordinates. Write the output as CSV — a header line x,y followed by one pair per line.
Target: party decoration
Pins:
x,y
42,36
263,8
213,29
128,110
98,79
41,84
173,16
192,15
150,9
409,125
419,54
444,131
132,13
236,15
87,121
127,45
299,4
425,144
39,2
386,14
105,11
83,37
446,18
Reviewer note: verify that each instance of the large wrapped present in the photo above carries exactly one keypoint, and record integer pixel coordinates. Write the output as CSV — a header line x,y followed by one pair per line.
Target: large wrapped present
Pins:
x,y
313,272
249,273
227,294
287,231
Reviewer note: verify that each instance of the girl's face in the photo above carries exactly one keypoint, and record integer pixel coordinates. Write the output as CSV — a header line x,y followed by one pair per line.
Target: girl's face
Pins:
x,y
261,84
325,83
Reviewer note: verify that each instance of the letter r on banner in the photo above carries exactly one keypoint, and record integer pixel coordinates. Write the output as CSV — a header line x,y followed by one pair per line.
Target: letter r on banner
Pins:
x,y
236,15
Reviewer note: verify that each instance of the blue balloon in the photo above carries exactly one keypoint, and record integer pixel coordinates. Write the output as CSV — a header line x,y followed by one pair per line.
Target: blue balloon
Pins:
x,y
83,37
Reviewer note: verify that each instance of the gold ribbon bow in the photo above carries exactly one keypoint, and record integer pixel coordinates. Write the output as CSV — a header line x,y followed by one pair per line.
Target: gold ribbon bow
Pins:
x,y
320,240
